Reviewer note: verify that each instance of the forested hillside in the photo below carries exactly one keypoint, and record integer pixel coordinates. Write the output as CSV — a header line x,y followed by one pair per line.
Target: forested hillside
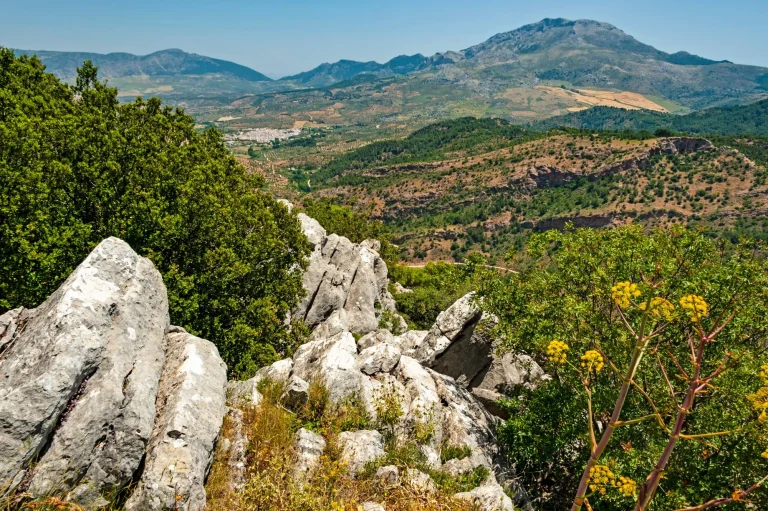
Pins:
x,y
749,119
465,185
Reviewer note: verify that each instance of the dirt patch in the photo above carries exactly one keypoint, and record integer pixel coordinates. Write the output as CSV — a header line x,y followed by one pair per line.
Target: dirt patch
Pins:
x,y
622,99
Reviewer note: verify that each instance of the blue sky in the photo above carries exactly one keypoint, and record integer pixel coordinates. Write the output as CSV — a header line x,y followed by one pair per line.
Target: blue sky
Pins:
x,y
281,37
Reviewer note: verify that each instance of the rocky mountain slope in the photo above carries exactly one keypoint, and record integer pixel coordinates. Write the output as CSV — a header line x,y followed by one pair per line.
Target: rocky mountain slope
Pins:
x,y
100,396
544,69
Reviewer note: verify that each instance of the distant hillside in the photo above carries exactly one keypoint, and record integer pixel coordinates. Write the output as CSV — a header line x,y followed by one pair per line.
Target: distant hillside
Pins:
x,y
733,120
343,70
484,184
162,63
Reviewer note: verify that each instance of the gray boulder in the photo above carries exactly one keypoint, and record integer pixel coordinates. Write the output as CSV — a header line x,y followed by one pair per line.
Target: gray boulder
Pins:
x,y
80,376
190,411
388,475
488,497
309,447
459,346
360,447
295,393
9,323
343,276
419,481
246,392
460,317
380,358
503,374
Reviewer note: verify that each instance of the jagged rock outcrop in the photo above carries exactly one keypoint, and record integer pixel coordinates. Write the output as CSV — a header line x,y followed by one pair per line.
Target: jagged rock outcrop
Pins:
x,y
78,381
94,395
190,412
458,346
309,447
343,276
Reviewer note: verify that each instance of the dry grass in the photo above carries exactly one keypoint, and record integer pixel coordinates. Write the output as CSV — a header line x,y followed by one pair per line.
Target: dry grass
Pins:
x,y
270,457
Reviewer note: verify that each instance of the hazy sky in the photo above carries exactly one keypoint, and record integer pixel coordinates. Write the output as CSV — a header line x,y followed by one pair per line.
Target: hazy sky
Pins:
x,y
280,37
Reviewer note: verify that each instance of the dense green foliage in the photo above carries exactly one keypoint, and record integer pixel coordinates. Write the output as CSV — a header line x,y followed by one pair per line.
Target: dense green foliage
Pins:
x,y
76,167
730,120
434,288
565,293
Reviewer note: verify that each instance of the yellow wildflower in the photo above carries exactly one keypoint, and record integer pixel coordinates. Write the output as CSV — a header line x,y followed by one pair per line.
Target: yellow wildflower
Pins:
x,y
600,476
623,293
556,352
592,361
765,454
759,402
695,307
764,374
660,308
627,487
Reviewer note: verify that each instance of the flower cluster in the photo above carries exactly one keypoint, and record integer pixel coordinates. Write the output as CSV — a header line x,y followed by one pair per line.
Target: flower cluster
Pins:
x,y
627,487
556,352
623,293
600,476
660,308
592,361
695,307
759,402
764,374
765,454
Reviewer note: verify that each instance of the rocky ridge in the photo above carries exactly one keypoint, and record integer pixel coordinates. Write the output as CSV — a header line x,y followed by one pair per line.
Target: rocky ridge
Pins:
x,y
99,393
441,376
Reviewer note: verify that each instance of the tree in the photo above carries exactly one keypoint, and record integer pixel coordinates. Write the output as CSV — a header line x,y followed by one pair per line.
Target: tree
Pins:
x,y
77,167
656,344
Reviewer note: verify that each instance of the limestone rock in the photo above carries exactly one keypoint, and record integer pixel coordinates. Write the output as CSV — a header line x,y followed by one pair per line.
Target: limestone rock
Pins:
x,y
190,411
488,497
380,358
448,325
279,371
419,480
410,341
237,450
312,229
373,506
82,376
333,362
295,393
374,338
309,447
360,447
388,475
9,323
504,373
343,276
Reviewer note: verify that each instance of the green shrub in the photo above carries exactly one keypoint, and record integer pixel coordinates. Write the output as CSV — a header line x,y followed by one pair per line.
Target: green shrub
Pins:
x,y
77,167
609,314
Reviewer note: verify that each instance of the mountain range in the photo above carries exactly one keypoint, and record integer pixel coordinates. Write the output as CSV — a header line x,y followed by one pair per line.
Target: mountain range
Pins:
x,y
540,70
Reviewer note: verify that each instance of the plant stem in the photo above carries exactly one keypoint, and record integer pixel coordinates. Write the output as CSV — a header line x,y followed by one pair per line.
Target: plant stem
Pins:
x,y
581,493
648,491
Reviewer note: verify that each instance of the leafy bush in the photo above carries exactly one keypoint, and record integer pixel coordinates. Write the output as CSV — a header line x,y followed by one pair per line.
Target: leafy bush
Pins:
x,y
434,288
656,344
77,167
